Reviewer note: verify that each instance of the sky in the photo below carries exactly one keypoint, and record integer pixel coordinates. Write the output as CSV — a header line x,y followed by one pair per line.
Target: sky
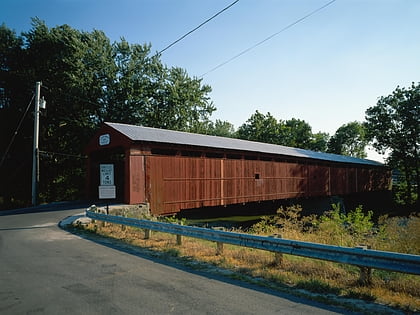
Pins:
x,y
327,69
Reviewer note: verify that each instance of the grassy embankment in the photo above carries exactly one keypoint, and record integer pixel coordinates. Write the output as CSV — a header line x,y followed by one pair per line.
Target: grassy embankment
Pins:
x,y
325,278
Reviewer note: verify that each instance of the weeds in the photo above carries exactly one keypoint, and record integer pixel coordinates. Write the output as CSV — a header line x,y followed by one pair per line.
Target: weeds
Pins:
x,y
353,294
318,286
173,219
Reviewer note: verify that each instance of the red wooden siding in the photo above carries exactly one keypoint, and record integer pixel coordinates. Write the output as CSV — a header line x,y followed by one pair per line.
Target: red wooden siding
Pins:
x,y
136,179
176,182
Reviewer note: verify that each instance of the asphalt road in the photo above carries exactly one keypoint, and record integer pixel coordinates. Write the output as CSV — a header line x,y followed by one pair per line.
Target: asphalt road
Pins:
x,y
46,270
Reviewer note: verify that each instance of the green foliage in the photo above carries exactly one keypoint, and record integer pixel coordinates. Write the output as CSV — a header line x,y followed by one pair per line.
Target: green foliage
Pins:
x,y
333,227
297,133
404,194
265,226
173,219
349,229
261,128
286,220
359,223
393,125
86,80
219,128
293,132
290,218
356,222
399,234
319,142
349,140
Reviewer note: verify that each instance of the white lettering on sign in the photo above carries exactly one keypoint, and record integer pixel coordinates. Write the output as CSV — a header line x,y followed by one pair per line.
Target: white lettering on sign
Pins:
x,y
104,139
106,172
107,192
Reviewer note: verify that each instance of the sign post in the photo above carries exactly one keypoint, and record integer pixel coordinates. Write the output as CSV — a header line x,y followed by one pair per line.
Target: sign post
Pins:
x,y
106,188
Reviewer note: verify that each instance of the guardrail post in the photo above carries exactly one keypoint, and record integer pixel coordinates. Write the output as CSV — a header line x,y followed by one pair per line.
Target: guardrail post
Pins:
x,y
219,249
278,257
365,272
178,239
147,233
365,276
219,245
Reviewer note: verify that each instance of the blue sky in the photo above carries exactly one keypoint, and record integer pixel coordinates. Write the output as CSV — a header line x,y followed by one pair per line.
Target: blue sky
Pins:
x,y
326,70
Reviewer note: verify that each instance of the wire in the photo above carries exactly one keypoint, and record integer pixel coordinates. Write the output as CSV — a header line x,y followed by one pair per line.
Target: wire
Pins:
x,y
269,37
16,131
206,21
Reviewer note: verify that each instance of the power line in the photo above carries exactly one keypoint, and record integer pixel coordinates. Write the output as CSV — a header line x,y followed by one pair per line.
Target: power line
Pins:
x,y
269,37
206,21
16,131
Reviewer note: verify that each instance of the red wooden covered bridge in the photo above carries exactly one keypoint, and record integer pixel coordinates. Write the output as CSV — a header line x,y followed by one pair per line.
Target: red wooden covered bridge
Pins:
x,y
172,170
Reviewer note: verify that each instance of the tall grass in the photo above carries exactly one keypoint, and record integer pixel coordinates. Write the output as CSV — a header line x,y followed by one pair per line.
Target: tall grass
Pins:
x,y
350,229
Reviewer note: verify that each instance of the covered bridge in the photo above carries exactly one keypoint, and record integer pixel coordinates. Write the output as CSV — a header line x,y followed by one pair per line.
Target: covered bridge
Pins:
x,y
172,170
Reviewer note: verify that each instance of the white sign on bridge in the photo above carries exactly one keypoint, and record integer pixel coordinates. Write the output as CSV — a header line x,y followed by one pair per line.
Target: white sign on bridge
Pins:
x,y
106,175
107,192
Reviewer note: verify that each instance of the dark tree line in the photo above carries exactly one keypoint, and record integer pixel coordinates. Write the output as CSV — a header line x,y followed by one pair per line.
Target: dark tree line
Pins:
x,y
87,80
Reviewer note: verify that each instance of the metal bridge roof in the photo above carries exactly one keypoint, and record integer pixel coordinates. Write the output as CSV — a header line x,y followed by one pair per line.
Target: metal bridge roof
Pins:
x,y
139,133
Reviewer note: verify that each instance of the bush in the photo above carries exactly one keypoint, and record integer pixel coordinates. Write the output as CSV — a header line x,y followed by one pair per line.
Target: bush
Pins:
x,y
399,234
334,227
267,225
351,229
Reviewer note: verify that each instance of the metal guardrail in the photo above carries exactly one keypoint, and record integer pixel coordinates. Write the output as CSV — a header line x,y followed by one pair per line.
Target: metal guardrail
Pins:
x,y
360,257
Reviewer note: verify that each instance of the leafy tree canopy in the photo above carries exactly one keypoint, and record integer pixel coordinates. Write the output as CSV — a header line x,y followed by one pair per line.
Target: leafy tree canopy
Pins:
x,y
261,128
393,125
220,128
349,140
293,133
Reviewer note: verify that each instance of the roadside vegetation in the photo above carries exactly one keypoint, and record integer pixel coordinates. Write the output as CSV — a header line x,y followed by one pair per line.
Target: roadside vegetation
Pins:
x,y
323,279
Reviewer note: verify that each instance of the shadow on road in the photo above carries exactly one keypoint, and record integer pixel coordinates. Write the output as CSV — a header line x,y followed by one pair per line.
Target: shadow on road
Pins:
x,y
25,228
55,206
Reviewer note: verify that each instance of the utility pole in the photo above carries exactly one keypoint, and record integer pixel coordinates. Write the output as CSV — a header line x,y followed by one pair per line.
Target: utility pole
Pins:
x,y
35,152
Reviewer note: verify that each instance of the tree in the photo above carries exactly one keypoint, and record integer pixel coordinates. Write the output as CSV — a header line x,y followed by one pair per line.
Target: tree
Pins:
x,y
261,128
296,133
179,103
319,142
86,80
220,128
349,140
293,133
148,93
393,125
